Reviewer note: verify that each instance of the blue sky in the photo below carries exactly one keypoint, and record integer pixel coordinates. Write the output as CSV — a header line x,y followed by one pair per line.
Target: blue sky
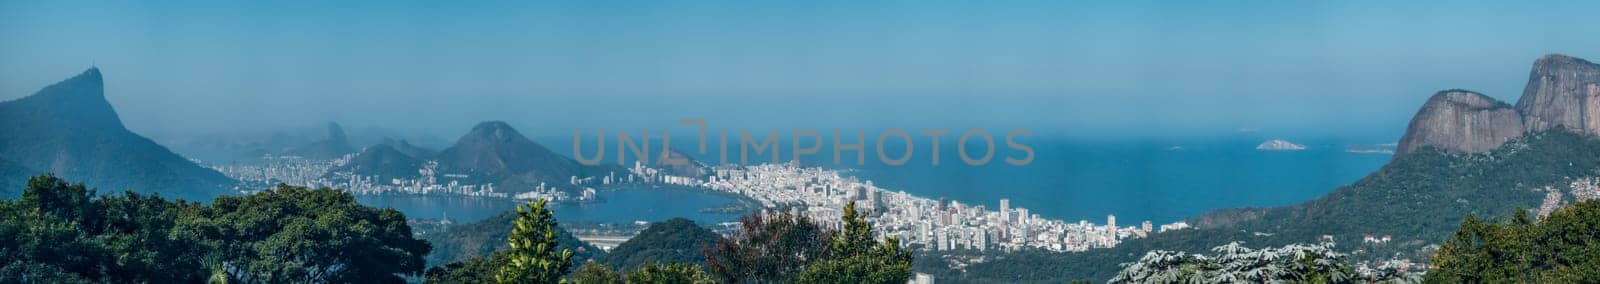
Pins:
x,y
1087,68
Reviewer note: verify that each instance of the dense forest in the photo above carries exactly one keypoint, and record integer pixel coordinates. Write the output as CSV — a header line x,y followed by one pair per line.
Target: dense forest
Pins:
x,y
1563,247
59,232
481,239
676,240
65,233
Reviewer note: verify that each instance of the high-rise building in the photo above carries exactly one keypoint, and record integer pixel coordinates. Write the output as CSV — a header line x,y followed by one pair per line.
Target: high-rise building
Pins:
x,y
944,241
1005,210
1111,229
1146,226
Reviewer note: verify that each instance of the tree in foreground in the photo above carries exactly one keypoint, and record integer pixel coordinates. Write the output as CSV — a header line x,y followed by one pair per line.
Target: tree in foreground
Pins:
x,y
595,273
856,257
680,273
476,270
534,257
769,248
787,248
60,232
296,234
1235,263
1562,248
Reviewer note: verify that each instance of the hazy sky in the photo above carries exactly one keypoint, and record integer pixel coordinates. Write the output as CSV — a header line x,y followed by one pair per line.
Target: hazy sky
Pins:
x,y
1168,68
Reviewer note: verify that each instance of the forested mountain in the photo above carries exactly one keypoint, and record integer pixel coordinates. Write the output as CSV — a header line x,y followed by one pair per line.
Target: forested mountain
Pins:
x,y
481,239
494,152
382,161
677,240
9,186
69,128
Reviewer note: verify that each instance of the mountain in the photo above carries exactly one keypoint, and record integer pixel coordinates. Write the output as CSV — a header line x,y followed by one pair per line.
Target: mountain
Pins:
x,y
483,238
335,145
679,164
383,161
69,128
677,240
1460,121
494,152
1464,154
13,178
418,152
1562,90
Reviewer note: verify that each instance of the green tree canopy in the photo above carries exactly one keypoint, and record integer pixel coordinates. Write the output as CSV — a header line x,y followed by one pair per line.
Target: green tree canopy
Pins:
x,y
64,233
769,248
856,257
670,273
595,273
1562,248
534,257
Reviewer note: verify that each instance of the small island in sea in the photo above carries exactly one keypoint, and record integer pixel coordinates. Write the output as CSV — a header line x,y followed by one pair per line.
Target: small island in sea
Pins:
x,y
1381,149
1279,145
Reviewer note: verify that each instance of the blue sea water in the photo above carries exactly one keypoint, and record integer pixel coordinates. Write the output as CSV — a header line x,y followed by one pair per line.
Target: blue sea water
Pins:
x,y
620,206
1160,180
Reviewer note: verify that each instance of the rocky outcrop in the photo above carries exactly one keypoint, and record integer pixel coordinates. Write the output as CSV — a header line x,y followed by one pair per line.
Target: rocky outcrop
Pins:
x,y
1460,121
334,146
70,129
1562,91
1279,145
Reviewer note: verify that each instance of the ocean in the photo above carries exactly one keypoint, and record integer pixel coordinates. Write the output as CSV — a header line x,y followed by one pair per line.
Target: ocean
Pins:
x,y
1160,180
625,205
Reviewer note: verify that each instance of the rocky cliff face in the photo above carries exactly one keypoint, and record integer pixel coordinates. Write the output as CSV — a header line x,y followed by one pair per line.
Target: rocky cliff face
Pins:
x,y
1562,91
1459,121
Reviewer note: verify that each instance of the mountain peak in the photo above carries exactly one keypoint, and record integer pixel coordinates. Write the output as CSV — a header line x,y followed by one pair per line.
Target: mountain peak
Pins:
x,y
80,99
492,125
1562,91
1557,58
1467,99
494,129
69,128
336,133
1460,121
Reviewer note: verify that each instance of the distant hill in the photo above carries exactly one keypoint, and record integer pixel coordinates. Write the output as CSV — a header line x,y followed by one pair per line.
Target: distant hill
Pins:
x,y
483,238
13,178
335,145
679,164
383,161
676,240
418,152
494,152
69,128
